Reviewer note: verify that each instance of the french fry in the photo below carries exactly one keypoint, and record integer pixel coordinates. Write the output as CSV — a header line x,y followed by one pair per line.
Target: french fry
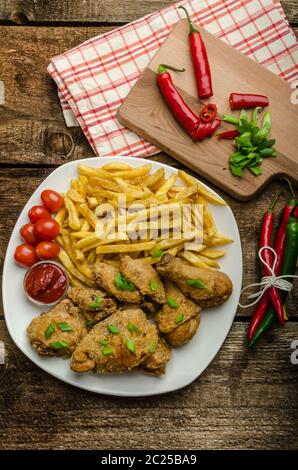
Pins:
x,y
196,247
194,260
126,248
185,193
88,240
208,222
85,226
166,244
172,251
59,240
89,215
209,262
167,185
95,181
74,282
155,187
82,266
75,196
134,173
210,196
117,166
212,253
74,184
218,240
60,216
69,265
90,171
83,185
79,254
81,234
151,180
73,217
92,202
91,256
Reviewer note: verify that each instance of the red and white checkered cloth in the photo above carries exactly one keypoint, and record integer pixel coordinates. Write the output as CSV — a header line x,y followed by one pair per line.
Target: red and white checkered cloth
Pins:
x,y
95,77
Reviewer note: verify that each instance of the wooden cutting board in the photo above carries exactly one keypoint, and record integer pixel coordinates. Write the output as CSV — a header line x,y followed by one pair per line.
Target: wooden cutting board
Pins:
x,y
145,112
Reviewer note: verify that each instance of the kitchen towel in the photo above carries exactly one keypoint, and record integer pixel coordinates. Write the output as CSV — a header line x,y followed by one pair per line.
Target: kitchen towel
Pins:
x,y
94,78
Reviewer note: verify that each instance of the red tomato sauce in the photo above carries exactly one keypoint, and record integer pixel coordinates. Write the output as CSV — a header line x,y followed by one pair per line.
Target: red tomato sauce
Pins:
x,y
46,283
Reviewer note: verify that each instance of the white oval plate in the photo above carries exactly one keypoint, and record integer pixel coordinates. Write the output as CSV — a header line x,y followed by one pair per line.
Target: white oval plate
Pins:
x,y
187,363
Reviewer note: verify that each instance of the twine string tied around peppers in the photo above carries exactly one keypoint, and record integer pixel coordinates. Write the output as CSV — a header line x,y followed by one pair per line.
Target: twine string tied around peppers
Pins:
x,y
280,282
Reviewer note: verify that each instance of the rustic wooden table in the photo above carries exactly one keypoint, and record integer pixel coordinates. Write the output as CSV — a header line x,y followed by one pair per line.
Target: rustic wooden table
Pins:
x,y
245,399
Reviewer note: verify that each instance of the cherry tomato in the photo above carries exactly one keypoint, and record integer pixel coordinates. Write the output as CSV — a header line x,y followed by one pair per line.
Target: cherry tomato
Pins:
x,y
46,229
28,235
25,255
38,212
47,250
52,200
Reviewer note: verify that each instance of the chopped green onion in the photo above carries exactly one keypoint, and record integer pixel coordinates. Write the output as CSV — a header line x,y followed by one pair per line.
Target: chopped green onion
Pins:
x,y
151,347
50,330
64,326
113,329
268,151
255,115
122,283
236,171
229,118
132,328
196,283
104,342
153,285
157,253
130,344
243,116
59,344
107,351
172,303
179,318
96,304
256,170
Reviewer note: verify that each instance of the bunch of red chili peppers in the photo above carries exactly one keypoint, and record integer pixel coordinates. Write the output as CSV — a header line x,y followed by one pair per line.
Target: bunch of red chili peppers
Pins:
x,y
271,305
204,125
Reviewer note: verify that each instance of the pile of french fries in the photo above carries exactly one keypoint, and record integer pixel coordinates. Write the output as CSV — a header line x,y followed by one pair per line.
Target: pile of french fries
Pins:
x,y
82,244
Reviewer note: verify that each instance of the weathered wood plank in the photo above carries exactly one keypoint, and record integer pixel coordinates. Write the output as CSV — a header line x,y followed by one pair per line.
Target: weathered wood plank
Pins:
x,y
112,11
20,183
244,400
32,129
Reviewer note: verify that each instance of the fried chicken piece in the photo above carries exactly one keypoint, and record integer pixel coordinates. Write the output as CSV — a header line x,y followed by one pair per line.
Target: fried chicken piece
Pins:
x,y
117,344
144,276
218,285
183,333
94,304
58,331
182,309
156,364
105,274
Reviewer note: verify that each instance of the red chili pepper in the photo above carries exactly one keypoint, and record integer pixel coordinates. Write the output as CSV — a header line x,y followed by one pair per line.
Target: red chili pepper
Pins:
x,y
246,101
279,247
200,60
214,125
174,100
206,129
266,233
228,134
208,113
